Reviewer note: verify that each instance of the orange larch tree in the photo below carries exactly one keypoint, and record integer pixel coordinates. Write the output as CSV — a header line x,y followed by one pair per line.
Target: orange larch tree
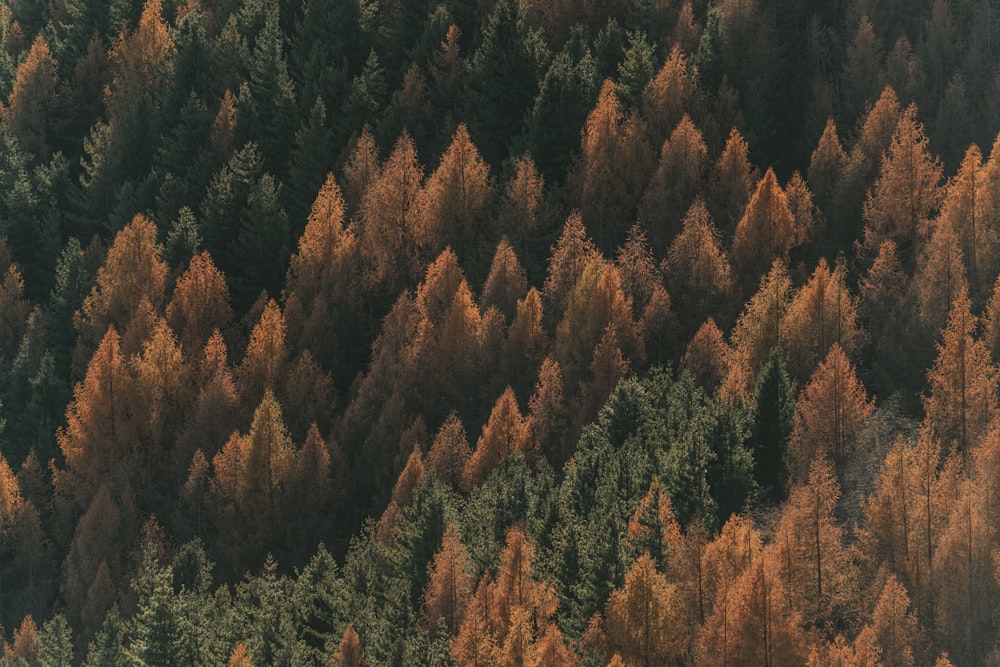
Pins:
x,y
766,231
548,414
571,255
731,183
821,313
363,167
697,270
668,95
706,356
141,60
653,530
758,328
506,433
522,208
33,99
449,586
896,628
637,270
349,654
266,356
199,304
830,413
450,451
506,283
826,166
963,382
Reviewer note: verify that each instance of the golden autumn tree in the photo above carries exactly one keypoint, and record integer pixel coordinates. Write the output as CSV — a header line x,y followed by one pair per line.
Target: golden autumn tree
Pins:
x,y
199,304
758,328
522,207
548,414
449,586
33,99
766,231
132,272
821,313
450,451
141,59
963,382
653,529
240,657
731,183
637,269
991,322
506,433
697,269
668,95
645,619
100,436
23,649
476,645
506,283
675,184
455,200
966,207
809,551
571,254
706,356
389,217
724,560
518,592
830,412
610,174
266,356
409,478
363,167
349,654
908,189
896,628
826,166
14,308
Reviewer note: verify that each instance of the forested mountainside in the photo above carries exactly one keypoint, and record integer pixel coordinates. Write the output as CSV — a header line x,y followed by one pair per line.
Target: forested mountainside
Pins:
x,y
541,332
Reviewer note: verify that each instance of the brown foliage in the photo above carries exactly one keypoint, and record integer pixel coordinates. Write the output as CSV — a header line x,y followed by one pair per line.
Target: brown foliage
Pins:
x,y
645,618
766,232
506,433
199,305
449,586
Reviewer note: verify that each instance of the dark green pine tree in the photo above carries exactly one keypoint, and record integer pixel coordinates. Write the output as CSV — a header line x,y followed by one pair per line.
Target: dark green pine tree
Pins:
x,y
266,102
367,97
502,81
183,159
772,426
76,269
323,57
310,162
565,97
55,643
193,71
155,630
108,646
708,57
261,247
637,67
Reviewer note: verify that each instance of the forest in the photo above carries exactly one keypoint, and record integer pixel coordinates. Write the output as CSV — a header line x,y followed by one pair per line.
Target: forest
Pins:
x,y
514,333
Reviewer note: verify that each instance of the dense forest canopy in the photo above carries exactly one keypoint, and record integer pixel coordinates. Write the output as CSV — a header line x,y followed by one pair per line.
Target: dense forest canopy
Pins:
x,y
508,332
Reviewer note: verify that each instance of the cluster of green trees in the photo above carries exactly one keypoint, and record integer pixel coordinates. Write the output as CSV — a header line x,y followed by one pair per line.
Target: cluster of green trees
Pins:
x,y
509,333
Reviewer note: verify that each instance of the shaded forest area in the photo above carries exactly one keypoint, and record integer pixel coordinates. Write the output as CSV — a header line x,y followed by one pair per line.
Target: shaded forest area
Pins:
x,y
630,333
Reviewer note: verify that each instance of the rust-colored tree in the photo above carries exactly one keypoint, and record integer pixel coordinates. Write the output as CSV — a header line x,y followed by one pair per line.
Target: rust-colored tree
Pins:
x,y
199,305
830,414
266,357
450,451
33,100
668,95
731,183
506,433
571,254
826,166
506,283
449,586
548,413
349,654
766,232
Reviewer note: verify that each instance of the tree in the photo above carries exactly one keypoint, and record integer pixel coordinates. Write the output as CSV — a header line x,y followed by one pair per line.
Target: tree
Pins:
x,y
32,104
645,618
506,283
758,329
240,657
637,269
199,304
475,644
449,586
766,232
522,208
132,272
388,214
506,433
611,172
963,382
570,255
706,356
668,96
363,167
863,68
697,269
141,60
653,530
548,414
450,451
349,654
455,201
895,626
731,183
826,167
907,191
676,183
772,426
264,363
821,313
830,413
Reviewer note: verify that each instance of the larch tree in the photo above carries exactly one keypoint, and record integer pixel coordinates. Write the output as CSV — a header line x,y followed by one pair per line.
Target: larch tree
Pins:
x,y
653,530
506,283
522,207
261,492
645,618
908,188
363,167
991,322
808,218
766,232
23,649
476,645
896,628
614,164
455,201
506,433
349,654
570,256
517,590
240,656
821,313
963,382
199,304
637,269
938,279
677,181
548,414
449,586
33,100
668,95
100,434
389,217
724,560
133,271
826,166
450,451
266,356
966,207
731,183
758,328
830,414
14,309
809,551
706,356
527,343
697,269
409,478
141,60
